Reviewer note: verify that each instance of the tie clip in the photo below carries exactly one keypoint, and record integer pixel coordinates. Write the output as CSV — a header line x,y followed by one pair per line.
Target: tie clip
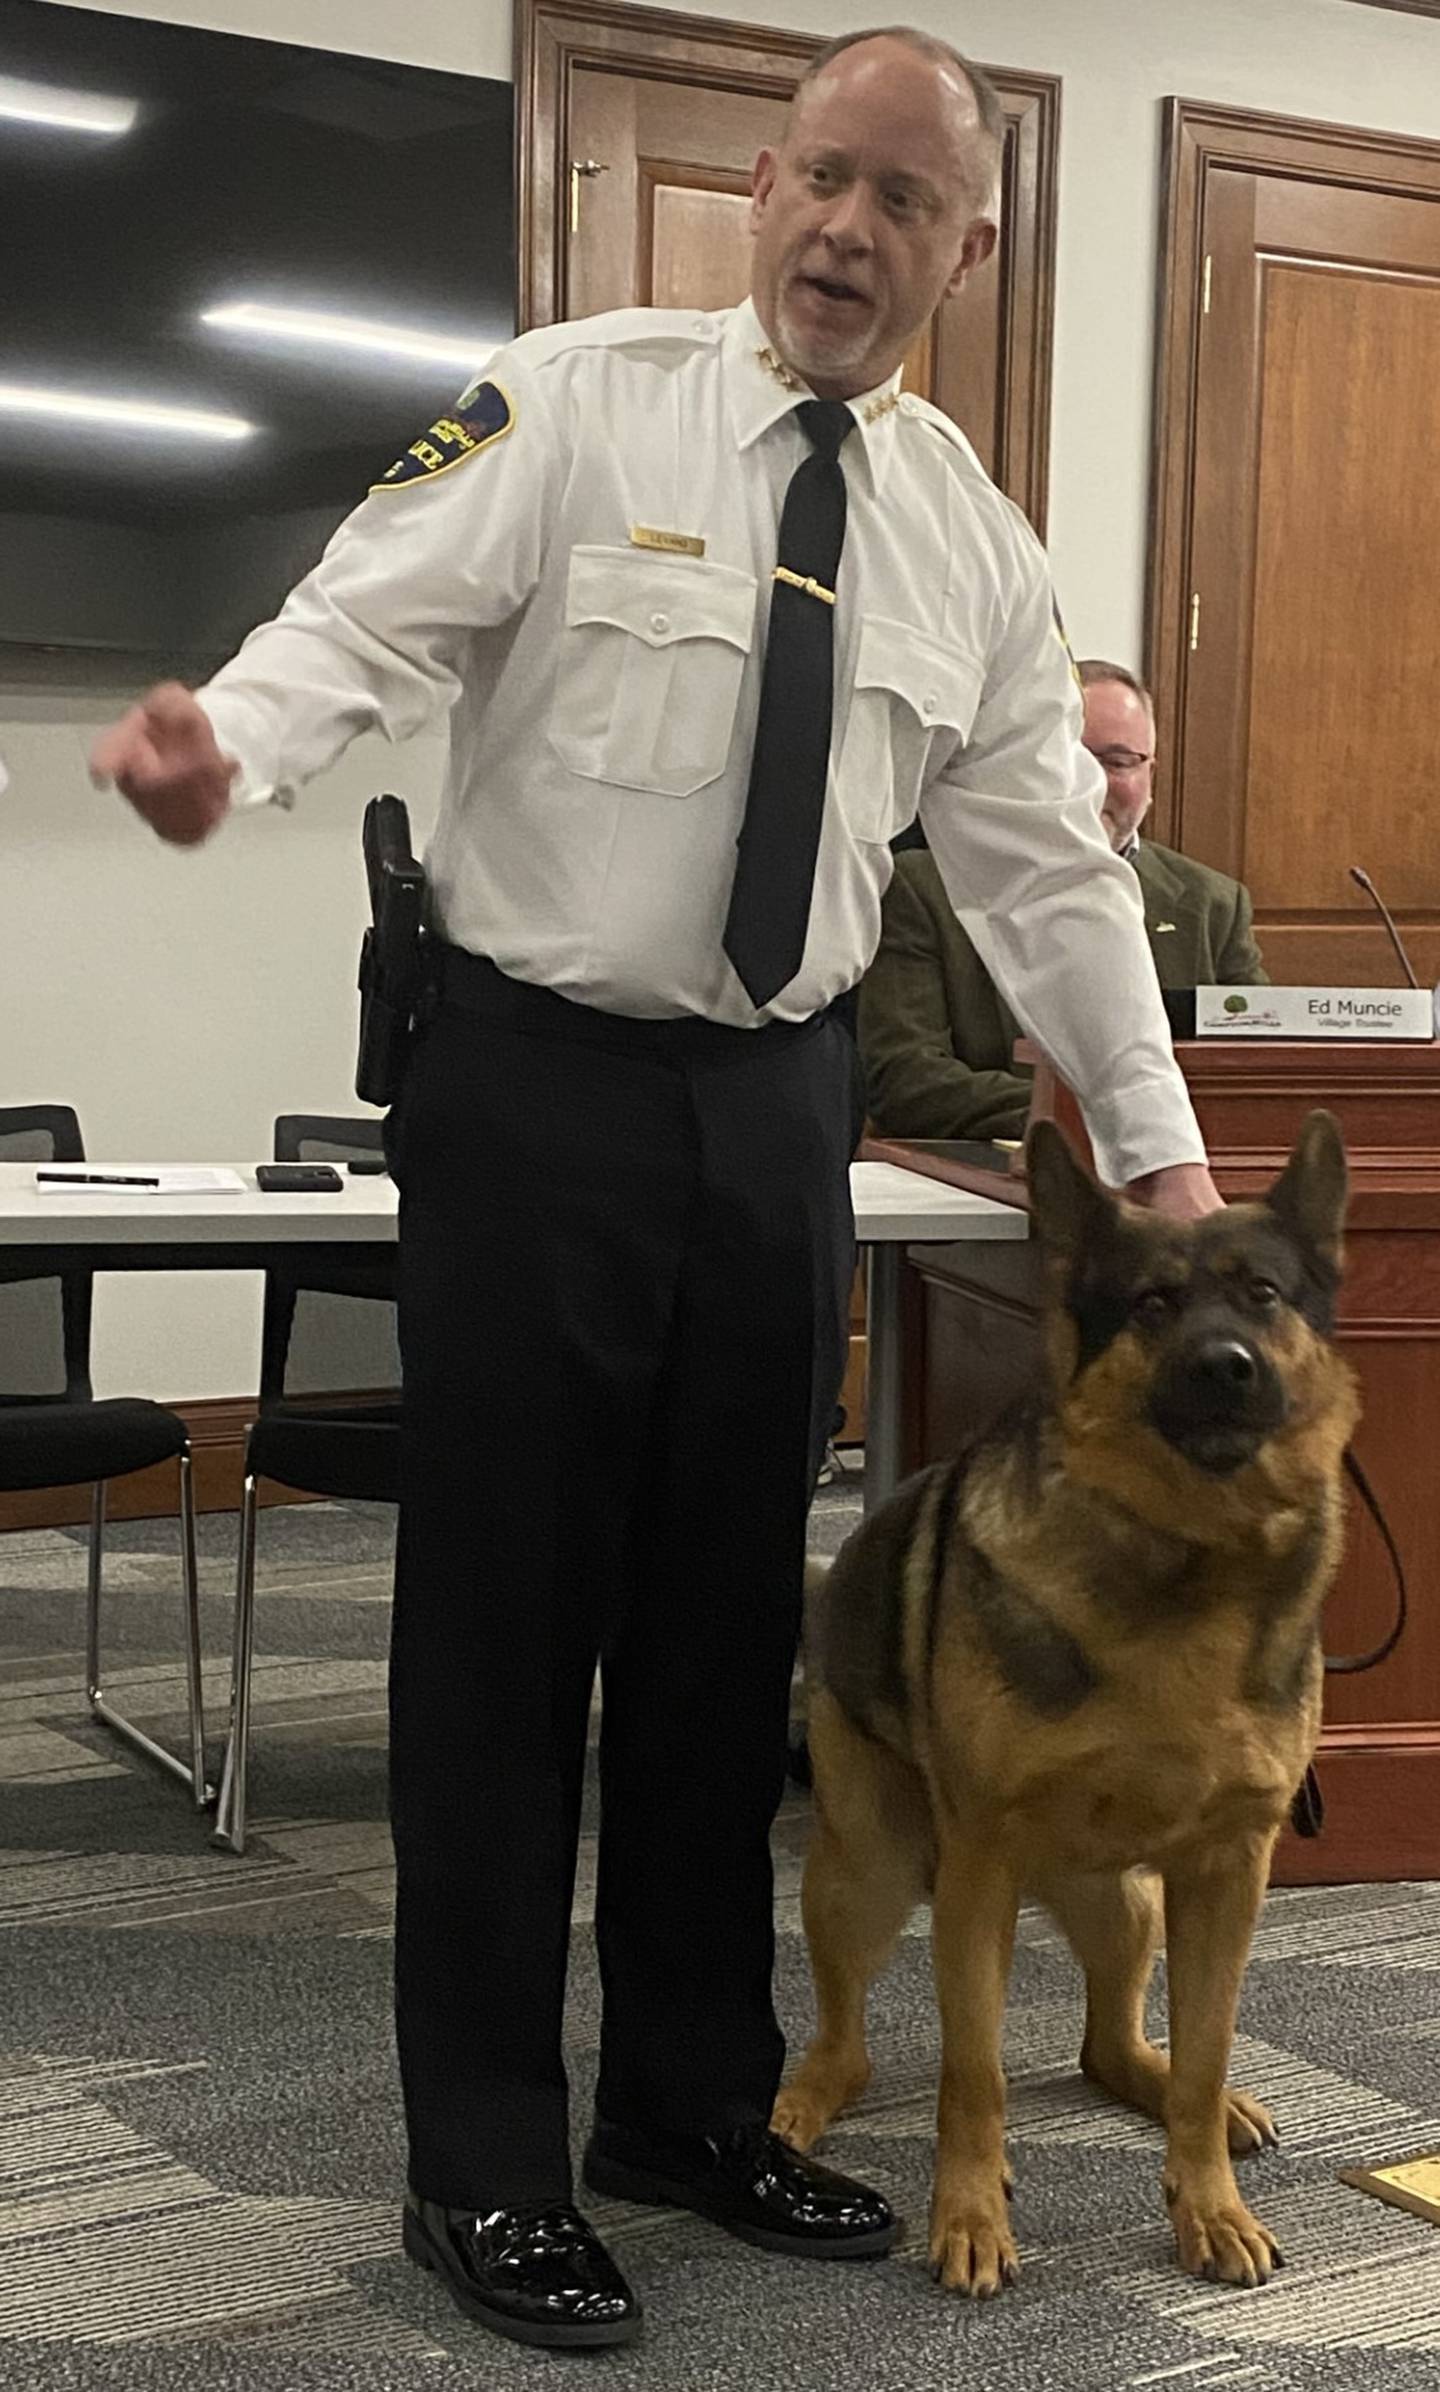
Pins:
x,y
805,582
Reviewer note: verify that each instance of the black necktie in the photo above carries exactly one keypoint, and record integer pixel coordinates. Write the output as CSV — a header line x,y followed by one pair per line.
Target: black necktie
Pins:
x,y
780,835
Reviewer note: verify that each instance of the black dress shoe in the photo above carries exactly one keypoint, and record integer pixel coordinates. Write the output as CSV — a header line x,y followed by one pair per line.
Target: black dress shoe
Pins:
x,y
750,2183
538,2274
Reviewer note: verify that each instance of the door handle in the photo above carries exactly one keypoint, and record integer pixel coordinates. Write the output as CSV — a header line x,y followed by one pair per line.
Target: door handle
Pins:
x,y
588,167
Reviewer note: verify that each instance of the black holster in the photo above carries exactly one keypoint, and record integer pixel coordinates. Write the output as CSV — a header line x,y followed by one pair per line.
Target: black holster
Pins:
x,y
395,978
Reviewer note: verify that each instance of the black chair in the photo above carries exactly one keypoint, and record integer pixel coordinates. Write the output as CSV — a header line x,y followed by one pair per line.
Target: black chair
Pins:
x,y
53,1433
329,1419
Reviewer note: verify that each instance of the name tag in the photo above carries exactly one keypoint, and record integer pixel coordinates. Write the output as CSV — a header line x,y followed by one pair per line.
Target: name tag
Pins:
x,y
645,535
1314,1013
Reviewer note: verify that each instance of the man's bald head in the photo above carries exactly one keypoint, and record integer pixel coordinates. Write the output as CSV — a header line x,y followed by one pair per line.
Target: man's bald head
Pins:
x,y
989,118
878,203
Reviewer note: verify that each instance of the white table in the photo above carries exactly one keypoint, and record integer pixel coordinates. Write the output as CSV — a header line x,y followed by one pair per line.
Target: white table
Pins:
x,y
145,1231
96,1229
895,1209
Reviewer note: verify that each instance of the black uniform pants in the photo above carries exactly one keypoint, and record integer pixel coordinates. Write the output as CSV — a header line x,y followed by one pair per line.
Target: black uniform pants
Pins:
x,y
626,1250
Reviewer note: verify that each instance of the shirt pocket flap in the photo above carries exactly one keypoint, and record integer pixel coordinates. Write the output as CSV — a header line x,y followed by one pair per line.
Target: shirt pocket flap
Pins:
x,y
661,599
941,685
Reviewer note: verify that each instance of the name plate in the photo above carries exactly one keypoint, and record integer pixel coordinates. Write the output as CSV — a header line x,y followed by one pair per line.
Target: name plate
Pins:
x,y
1315,1013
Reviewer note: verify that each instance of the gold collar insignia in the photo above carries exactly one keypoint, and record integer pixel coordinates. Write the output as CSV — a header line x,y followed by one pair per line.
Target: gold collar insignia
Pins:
x,y
775,365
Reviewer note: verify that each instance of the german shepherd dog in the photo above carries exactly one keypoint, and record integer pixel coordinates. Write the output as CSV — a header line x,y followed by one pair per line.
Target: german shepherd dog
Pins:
x,y
1081,1664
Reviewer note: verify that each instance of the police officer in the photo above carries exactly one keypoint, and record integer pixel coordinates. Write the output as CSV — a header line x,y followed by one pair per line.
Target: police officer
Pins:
x,y
681,740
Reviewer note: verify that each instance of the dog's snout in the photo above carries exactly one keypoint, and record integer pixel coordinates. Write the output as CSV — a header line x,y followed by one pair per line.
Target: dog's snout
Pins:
x,y
1216,1397
1226,1364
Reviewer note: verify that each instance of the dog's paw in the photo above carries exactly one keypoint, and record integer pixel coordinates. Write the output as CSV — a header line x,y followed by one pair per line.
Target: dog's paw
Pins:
x,y
972,2249
799,2118
1248,2124
1219,2239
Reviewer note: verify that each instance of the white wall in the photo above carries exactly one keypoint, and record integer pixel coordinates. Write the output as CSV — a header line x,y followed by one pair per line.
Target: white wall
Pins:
x,y
181,1000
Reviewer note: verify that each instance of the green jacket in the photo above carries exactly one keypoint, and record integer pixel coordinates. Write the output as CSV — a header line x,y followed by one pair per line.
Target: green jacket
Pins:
x,y
935,1034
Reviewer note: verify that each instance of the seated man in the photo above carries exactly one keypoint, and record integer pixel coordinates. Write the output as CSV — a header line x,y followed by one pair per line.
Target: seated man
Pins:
x,y
935,1034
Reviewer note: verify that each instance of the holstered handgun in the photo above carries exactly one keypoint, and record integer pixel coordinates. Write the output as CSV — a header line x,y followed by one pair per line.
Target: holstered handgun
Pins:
x,y
394,980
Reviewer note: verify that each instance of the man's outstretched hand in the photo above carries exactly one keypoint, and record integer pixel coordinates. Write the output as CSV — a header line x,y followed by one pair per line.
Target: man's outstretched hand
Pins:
x,y
1184,1190
162,755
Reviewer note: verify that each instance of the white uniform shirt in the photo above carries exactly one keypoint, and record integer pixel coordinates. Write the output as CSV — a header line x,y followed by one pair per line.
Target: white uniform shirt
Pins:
x,y
603,693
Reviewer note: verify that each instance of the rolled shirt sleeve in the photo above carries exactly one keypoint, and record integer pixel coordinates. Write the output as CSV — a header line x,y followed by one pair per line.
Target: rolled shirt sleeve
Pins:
x,y
1014,825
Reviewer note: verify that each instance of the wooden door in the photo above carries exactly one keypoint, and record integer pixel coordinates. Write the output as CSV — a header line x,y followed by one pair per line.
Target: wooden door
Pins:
x,y
659,192
1295,635
638,130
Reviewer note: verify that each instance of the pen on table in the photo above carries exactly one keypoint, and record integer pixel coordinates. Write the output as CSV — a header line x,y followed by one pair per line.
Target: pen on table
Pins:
x,y
97,1179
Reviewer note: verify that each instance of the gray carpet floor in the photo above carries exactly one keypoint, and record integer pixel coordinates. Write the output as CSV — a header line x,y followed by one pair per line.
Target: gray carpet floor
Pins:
x,y
200,2135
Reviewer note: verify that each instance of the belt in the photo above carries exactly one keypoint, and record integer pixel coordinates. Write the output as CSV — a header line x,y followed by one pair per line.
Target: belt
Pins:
x,y
473,984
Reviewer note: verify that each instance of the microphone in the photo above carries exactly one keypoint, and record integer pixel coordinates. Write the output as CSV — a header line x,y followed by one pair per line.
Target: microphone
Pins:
x,y
1363,881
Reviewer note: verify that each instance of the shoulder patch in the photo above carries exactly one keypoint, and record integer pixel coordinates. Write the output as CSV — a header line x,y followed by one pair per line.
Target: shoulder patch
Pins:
x,y
480,416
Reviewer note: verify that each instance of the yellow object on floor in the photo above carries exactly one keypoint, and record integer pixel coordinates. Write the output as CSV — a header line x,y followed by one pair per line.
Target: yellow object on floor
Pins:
x,y
1412,2184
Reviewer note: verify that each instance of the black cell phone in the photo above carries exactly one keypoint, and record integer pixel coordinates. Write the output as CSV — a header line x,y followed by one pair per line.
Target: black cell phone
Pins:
x,y
298,1179
367,1165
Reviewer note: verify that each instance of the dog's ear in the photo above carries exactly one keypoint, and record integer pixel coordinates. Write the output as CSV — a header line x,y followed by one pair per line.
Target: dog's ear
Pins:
x,y
1309,1196
1068,1208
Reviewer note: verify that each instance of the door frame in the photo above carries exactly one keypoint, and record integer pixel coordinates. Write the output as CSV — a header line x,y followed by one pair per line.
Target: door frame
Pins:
x,y
1198,140
555,37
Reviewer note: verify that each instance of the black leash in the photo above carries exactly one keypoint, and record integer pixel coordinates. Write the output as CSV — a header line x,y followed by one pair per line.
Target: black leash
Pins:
x,y
1307,1811
1383,1650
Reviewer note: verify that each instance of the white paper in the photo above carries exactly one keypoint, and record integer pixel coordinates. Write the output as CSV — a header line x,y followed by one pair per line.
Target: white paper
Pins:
x,y
138,1179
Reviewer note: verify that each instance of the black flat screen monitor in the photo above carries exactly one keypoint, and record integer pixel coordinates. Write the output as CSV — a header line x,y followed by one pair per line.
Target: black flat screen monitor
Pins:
x,y
239,277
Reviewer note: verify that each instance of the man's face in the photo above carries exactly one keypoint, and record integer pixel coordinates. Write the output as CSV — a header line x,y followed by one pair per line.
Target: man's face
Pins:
x,y
1120,734
867,214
